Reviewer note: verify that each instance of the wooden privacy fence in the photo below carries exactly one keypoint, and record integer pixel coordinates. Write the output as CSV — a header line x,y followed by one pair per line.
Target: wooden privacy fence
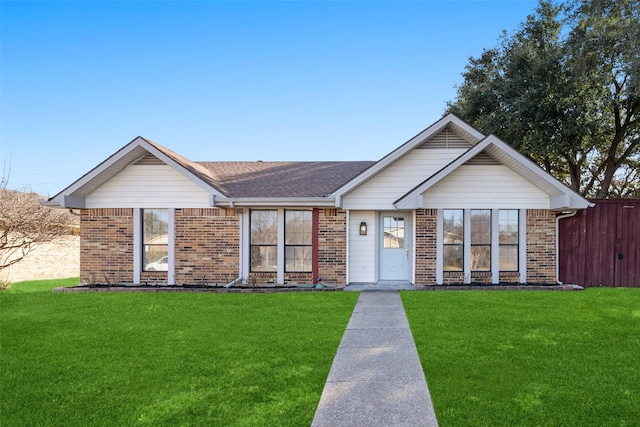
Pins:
x,y
600,246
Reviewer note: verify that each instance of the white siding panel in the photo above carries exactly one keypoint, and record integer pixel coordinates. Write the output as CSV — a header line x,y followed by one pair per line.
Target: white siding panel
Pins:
x,y
148,186
392,183
362,249
486,187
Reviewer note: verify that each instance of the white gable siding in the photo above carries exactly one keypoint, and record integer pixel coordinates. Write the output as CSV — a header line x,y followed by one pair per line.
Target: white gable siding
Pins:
x,y
362,249
148,186
385,188
485,186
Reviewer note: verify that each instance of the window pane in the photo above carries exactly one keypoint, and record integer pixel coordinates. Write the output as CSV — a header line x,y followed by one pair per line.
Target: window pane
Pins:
x,y
453,258
298,258
264,258
453,226
393,232
155,258
156,226
481,258
480,227
264,227
508,226
508,258
298,228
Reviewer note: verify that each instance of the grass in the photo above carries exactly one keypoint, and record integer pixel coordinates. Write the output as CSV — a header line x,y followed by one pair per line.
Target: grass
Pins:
x,y
530,358
79,359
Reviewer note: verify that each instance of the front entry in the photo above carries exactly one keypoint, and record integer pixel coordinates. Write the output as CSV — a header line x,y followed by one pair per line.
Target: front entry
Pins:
x,y
394,249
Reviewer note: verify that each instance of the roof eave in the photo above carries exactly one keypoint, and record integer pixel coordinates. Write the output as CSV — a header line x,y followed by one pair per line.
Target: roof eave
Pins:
x,y
73,196
324,202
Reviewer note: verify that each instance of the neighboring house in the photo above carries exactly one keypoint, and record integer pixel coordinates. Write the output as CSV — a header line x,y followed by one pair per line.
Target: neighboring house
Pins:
x,y
451,205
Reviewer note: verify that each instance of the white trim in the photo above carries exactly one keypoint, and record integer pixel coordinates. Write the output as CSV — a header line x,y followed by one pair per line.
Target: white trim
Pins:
x,y
522,245
440,247
280,248
171,247
243,239
466,245
137,245
495,246
414,241
130,153
266,202
348,247
559,194
404,149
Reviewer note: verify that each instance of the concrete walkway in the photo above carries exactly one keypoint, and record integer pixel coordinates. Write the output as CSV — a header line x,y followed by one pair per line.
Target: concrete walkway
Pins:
x,y
376,378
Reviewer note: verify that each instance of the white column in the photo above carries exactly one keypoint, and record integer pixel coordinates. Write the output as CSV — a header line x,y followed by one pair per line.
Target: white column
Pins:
x,y
495,246
171,247
439,248
467,246
281,257
522,245
137,245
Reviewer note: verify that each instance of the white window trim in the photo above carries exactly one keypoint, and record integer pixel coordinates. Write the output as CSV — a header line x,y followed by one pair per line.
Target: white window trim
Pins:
x,y
281,247
137,245
495,246
171,248
522,245
440,247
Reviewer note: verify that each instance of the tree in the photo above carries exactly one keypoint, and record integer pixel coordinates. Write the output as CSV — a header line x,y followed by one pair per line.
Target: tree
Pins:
x,y
24,224
565,90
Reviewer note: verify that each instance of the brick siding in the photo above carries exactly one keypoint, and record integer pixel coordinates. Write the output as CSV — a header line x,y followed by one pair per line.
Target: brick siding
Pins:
x,y
207,245
426,220
541,246
332,245
106,246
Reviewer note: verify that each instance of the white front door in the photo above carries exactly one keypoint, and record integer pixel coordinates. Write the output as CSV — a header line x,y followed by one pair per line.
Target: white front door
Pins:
x,y
394,246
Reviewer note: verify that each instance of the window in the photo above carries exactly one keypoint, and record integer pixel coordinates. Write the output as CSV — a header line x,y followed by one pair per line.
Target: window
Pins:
x,y
393,232
480,240
508,239
264,240
453,239
155,239
298,241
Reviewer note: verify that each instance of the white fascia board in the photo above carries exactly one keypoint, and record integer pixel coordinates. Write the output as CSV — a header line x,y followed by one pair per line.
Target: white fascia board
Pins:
x,y
404,149
59,199
566,199
563,201
574,200
68,195
277,202
186,173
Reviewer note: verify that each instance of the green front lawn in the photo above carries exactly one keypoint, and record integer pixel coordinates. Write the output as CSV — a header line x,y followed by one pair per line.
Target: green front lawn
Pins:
x,y
530,358
79,359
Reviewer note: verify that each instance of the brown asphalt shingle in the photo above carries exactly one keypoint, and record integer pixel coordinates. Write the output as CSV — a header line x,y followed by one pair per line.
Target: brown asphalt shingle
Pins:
x,y
282,179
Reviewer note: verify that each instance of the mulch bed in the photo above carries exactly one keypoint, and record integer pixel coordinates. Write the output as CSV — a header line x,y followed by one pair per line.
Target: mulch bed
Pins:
x,y
305,288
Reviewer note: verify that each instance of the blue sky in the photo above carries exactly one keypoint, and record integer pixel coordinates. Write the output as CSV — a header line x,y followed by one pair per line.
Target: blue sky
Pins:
x,y
224,80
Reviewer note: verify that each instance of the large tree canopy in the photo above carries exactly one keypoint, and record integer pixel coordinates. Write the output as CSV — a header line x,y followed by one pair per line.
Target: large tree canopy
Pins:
x,y
565,90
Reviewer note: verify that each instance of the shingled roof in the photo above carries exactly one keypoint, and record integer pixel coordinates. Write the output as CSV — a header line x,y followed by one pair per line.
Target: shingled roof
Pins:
x,y
282,179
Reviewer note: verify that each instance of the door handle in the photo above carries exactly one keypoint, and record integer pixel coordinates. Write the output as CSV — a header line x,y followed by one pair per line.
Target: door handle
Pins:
x,y
407,252
620,256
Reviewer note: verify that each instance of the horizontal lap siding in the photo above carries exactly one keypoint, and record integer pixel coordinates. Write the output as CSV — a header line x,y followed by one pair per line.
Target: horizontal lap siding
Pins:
x,y
148,186
389,185
362,249
485,187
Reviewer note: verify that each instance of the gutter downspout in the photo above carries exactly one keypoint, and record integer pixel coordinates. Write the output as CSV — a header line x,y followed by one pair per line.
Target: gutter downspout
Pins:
x,y
558,218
